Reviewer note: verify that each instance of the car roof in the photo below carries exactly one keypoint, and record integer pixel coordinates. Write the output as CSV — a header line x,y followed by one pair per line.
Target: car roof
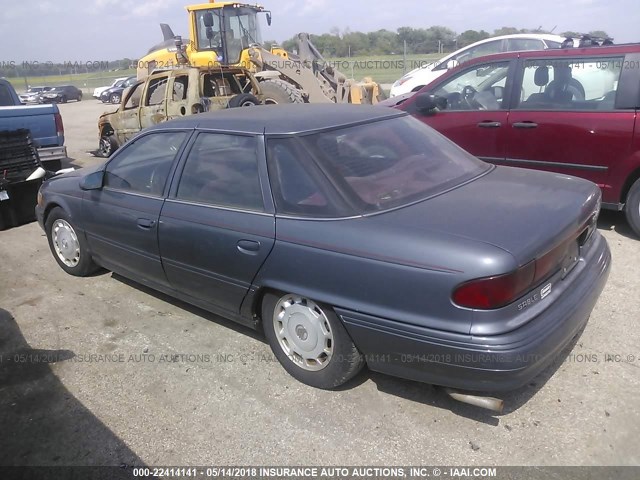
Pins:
x,y
283,119
559,52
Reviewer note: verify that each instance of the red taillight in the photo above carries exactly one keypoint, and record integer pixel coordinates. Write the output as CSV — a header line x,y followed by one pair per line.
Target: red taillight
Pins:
x,y
59,124
495,292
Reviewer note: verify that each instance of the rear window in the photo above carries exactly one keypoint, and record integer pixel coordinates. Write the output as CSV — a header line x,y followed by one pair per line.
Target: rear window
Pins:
x,y
6,99
382,165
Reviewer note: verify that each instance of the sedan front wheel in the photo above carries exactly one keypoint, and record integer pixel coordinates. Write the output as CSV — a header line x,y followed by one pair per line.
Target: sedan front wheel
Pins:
x,y
68,248
309,341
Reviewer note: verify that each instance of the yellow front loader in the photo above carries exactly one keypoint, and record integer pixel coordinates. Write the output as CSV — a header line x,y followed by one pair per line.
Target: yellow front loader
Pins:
x,y
228,33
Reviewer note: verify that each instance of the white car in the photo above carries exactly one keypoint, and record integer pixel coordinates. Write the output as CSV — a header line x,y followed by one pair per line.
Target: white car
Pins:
x,y
98,91
416,79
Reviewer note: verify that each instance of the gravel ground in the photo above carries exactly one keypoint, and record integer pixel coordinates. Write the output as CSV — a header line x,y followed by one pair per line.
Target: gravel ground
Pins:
x,y
100,371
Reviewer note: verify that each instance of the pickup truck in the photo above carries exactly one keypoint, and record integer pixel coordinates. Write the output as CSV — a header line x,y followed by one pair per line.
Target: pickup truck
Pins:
x,y
174,93
43,121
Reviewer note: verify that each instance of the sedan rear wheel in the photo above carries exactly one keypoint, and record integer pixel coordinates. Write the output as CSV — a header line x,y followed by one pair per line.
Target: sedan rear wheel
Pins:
x,y
632,207
68,248
309,340
115,98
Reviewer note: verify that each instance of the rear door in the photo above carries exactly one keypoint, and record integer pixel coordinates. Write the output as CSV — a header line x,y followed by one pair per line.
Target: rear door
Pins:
x,y
566,117
476,114
154,102
121,219
217,226
179,104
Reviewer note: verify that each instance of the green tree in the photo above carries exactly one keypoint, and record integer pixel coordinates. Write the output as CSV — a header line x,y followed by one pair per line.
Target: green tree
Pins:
x,y
471,36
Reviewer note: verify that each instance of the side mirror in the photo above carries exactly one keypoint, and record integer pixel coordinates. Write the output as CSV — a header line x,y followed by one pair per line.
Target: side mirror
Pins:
x,y
428,103
208,19
269,18
498,92
93,181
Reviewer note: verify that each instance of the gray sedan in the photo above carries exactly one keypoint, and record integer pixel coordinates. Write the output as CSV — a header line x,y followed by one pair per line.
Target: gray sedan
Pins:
x,y
351,235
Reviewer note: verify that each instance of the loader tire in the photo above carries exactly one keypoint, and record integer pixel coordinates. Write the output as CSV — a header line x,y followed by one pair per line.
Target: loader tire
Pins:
x,y
278,91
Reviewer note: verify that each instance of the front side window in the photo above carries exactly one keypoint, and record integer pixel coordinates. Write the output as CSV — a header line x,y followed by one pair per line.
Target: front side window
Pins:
x,y
479,88
387,163
222,170
144,165
570,83
180,84
133,101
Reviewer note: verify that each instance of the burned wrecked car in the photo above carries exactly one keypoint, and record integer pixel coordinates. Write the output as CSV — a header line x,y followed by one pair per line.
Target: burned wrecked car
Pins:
x,y
174,93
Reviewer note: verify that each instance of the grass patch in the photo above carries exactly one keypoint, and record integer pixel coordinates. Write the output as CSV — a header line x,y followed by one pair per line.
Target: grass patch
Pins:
x,y
381,68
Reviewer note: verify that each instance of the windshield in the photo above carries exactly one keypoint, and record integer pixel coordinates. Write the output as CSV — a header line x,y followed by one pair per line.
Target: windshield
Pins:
x,y
388,163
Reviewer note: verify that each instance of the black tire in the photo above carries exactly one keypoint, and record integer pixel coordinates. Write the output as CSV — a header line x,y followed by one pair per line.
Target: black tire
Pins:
x,y
115,98
62,241
278,91
107,145
344,360
63,99
80,97
632,207
244,100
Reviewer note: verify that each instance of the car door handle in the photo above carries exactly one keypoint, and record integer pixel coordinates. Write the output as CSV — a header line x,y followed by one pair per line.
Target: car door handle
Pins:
x,y
248,246
489,124
146,223
525,125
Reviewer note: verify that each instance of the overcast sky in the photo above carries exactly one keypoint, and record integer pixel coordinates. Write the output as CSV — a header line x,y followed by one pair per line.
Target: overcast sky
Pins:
x,y
99,30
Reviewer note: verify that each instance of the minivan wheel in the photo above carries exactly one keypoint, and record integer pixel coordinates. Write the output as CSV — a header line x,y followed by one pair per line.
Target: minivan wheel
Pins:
x,y
632,207
309,340
69,249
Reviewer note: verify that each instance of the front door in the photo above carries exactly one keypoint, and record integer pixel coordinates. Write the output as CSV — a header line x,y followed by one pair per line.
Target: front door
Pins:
x,y
121,219
476,114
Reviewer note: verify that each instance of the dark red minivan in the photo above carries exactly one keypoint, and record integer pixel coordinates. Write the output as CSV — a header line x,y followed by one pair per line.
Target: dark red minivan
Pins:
x,y
571,111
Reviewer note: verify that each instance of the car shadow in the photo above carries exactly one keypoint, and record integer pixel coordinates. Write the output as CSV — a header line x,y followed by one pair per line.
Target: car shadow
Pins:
x,y
42,423
212,317
617,222
435,396
410,390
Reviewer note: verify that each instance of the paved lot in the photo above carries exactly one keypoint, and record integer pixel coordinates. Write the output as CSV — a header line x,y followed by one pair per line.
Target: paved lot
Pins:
x,y
102,371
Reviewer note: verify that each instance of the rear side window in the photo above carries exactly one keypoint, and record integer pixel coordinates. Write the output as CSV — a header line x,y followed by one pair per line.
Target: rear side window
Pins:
x,y
519,44
299,186
570,83
156,91
222,170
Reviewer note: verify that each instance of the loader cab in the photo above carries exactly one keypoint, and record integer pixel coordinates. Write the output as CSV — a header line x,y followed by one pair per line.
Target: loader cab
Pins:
x,y
226,30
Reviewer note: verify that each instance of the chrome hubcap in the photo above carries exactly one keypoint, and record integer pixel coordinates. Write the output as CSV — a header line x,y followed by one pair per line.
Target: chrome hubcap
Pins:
x,y
65,243
303,332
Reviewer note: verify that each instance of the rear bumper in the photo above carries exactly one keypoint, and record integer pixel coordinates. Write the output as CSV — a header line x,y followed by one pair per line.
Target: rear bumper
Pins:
x,y
497,363
47,154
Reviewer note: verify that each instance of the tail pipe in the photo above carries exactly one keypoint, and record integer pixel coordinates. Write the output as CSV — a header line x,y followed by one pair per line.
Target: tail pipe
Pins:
x,y
490,403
